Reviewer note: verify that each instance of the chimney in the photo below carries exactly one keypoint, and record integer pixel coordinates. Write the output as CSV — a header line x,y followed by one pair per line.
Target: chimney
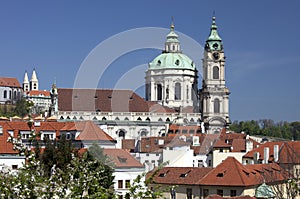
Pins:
x,y
276,153
266,155
249,145
256,157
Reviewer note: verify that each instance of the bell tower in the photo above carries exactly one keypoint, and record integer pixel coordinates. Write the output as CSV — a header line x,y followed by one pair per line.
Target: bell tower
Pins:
x,y
34,82
214,95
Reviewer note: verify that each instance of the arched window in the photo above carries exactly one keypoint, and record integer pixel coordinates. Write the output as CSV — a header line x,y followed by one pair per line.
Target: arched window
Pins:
x,y
216,106
159,92
121,134
10,94
5,94
177,91
215,72
15,94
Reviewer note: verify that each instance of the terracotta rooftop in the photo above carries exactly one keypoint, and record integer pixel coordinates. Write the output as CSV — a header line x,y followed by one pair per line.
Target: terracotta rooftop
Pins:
x,y
39,93
105,100
180,175
9,82
289,151
88,131
244,175
122,159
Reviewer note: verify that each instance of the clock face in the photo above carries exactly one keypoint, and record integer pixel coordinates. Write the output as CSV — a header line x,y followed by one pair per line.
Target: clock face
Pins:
x,y
216,56
215,45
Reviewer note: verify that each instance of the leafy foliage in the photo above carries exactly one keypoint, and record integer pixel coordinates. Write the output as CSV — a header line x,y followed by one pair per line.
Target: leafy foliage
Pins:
x,y
59,174
267,127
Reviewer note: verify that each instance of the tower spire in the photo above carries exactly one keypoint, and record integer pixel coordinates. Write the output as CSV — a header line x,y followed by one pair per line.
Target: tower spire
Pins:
x,y
25,82
214,41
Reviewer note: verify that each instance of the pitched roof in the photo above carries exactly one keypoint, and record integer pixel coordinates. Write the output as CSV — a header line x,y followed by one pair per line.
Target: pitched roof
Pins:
x,y
289,151
105,100
122,158
88,131
9,82
38,93
180,175
244,175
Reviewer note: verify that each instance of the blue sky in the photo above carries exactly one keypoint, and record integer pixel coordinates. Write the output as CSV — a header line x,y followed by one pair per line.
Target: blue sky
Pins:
x,y
260,39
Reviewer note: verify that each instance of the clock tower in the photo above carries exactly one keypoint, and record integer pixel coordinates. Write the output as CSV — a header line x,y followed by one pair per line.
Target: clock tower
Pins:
x,y
214,95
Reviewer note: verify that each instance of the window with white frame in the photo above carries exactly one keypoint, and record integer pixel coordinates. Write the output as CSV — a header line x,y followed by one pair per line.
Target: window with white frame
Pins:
x,y
25,135
48,135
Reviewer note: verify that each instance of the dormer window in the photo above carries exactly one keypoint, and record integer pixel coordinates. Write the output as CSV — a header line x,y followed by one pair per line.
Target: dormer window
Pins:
x,y
177,62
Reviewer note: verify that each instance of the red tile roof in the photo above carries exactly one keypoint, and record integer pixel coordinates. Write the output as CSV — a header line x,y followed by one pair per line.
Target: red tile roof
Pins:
x,y
105,100
179,175
289,152
244,175
229,173
90,131
9,82
157,144
122,159
39,93
17,126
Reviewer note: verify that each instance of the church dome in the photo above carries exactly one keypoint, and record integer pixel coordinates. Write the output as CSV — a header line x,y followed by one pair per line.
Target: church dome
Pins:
x,y
172,60
172,56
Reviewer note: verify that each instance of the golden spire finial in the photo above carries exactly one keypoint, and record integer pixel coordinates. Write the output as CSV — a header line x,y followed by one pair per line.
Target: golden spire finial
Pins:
x,y
172,24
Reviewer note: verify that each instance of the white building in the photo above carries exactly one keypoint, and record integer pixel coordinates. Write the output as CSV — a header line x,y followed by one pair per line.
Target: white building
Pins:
x,y
40,98
10,90
126,169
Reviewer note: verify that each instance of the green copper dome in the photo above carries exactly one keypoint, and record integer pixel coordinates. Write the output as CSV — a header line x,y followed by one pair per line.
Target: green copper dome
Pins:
x,y
172,56
172,60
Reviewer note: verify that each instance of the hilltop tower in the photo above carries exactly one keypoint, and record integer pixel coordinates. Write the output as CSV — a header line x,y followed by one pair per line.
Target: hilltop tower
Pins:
x,y
26,82
34,82
214,95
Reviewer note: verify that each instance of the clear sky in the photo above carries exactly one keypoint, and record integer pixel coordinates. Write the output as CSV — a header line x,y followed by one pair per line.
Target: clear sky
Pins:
x,y
261,41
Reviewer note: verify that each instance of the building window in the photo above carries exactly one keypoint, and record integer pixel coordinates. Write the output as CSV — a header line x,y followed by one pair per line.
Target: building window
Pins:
x,y
15,95
189,193
187,92
127,184
9,94
220,192
159,92
216,106
215,72
121,134
14,167
177,91
232,193
120,184
148,90
205,193
120,197
5,94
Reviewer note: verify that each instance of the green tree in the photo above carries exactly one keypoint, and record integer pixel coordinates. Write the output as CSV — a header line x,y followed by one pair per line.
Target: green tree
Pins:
x,y
23,107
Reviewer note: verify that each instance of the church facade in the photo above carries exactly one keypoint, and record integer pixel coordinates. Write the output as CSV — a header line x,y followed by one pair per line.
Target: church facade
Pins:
x,y
171,94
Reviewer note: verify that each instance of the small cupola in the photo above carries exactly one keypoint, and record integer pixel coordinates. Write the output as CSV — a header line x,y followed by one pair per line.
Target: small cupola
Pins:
x,y
172,44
